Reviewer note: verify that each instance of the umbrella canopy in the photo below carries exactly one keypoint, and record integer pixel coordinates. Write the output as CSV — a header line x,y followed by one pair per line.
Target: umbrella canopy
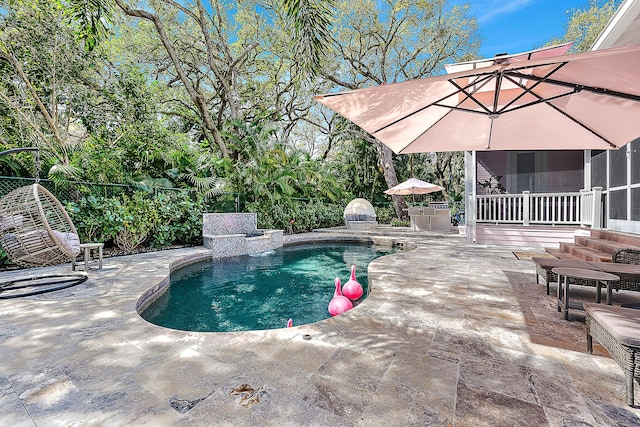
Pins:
x,y
588,100
413,186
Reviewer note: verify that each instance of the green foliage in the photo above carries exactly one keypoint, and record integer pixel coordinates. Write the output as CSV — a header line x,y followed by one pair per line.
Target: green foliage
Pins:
x,y
17,164
130,139
316,214
139,218
90,18
269,171
358,162
307,215
395,222
179,219
44,81
97,219
127,222
385,214
124,115
586,24
311,23
4,258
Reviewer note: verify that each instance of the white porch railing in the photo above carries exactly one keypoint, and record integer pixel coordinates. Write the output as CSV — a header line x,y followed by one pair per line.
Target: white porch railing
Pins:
x,y
576,208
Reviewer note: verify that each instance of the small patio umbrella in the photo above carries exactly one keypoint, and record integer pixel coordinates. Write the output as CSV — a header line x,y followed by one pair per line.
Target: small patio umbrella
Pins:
x,y
413,186
510,102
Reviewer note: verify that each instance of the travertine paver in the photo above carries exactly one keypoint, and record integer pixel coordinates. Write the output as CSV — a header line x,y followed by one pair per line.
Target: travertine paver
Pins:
x,y
453,333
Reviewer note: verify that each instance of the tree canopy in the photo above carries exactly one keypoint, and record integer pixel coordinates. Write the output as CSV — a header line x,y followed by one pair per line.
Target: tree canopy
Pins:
x,y
217,95
586,23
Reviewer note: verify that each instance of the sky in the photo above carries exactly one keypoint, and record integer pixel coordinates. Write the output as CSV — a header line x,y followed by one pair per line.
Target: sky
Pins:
x,y
512,26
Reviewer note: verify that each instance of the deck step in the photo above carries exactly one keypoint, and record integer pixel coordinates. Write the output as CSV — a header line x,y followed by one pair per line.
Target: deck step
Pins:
x,y
625,239
585,253
560,254
602,245
561,242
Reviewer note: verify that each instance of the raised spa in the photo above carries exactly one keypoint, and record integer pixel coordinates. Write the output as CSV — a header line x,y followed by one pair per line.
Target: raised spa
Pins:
x,y
260,292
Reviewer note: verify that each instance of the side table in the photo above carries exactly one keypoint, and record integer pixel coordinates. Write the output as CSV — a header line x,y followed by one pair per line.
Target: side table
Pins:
x,y
87,248
581,273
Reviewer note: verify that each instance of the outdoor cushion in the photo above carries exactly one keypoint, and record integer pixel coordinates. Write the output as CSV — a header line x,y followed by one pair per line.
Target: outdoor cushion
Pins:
x,y
69,241
621,323
10,222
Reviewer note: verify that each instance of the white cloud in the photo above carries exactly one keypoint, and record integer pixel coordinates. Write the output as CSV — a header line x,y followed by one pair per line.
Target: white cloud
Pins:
x,y
488,10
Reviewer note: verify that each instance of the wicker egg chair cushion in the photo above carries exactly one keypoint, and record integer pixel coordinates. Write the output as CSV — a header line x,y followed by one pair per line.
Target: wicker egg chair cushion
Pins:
x,y
35,229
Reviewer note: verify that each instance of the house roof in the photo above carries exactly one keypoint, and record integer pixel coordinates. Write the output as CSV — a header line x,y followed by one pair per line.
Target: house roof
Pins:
x,y
623,29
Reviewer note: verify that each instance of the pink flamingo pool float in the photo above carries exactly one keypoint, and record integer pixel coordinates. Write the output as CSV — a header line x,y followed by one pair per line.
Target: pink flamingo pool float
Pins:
x,y
352,289
339,303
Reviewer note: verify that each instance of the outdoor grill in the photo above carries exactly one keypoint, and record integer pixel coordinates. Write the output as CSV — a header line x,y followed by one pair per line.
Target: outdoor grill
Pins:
x,y
359,214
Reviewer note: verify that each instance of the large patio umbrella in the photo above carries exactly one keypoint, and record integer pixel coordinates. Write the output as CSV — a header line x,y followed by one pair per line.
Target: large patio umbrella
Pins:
x,y
587,100
413,186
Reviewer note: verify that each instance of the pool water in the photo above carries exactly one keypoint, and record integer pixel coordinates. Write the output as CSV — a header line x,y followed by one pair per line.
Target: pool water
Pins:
x,y
261,292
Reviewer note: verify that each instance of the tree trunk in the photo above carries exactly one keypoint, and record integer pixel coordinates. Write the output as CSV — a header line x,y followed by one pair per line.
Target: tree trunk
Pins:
x,y
196,97
443,165
389,171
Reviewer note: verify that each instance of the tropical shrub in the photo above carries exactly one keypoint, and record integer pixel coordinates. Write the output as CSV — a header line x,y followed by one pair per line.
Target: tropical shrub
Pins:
x,y
97,219
307,215
127,222
316,214
385,213
179,219
139,218
395,222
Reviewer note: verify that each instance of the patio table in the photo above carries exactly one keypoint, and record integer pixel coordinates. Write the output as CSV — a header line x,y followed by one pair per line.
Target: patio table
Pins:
x,y
87,248
564,274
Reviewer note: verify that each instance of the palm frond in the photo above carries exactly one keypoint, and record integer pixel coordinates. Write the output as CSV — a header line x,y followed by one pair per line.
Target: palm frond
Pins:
x,y
310,20
210,185
62,171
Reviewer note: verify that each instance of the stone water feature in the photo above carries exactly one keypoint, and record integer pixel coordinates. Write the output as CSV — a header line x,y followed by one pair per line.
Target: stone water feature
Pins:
x,y
231,234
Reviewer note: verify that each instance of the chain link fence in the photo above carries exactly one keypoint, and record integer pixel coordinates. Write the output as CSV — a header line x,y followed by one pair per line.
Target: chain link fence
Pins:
x,y
73,191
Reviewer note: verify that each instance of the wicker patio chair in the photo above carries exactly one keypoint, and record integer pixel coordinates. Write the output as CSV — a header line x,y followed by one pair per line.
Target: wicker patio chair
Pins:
x,y
545,265
618,330
629,274
35,230
626,256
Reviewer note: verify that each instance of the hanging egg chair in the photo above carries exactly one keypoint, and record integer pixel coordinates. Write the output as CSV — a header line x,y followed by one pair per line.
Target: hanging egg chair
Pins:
x,y
35,229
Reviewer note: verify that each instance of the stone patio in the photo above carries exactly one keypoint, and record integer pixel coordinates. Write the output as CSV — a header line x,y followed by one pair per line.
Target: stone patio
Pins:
x,y
452,334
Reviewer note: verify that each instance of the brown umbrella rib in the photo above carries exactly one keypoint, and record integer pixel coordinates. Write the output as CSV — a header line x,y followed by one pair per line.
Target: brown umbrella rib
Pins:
x,y
593,89
568,116
459,89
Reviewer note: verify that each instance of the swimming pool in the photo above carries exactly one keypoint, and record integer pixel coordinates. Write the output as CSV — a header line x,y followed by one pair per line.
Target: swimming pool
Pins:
x,y
260,292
